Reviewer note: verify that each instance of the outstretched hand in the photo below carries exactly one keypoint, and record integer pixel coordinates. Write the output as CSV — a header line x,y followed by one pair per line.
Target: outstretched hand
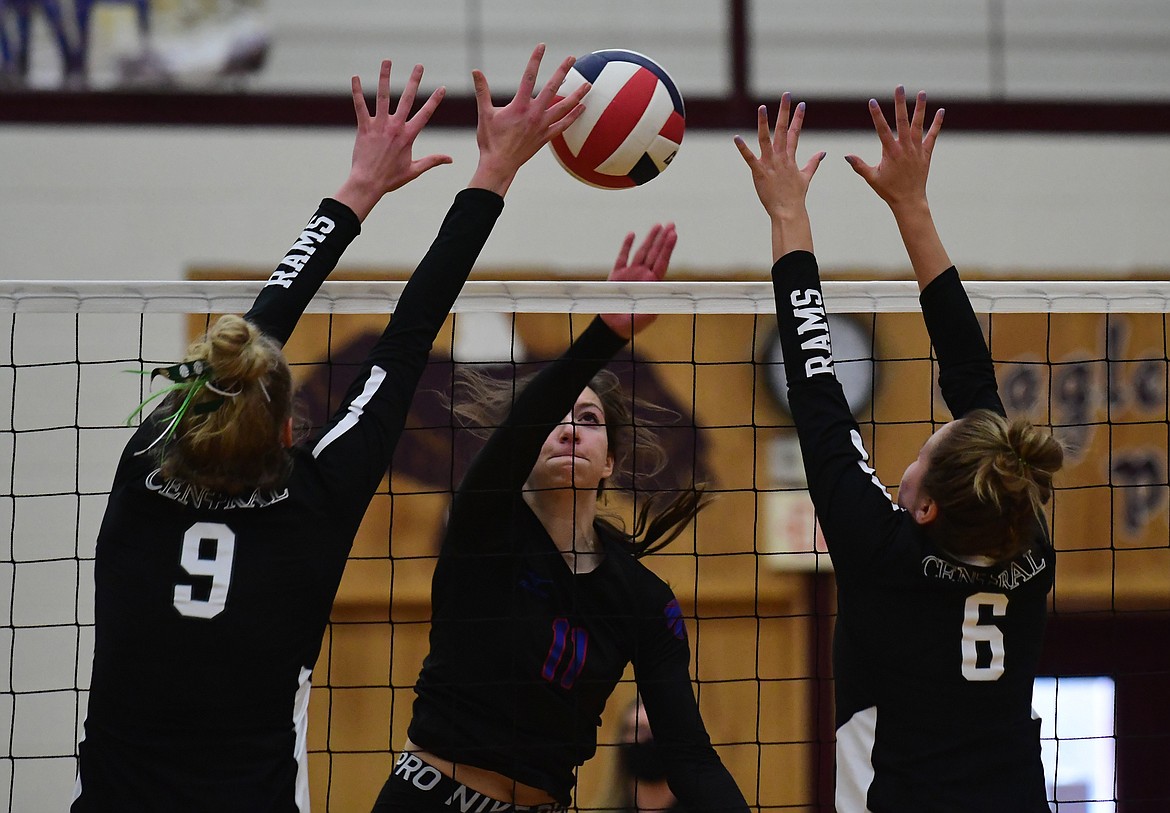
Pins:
x,y
900,180
900,177
648,264
382,150
780,182
508,136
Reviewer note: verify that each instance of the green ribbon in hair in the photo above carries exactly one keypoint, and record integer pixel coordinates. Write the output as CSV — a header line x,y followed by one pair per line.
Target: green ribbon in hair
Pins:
x,y
189,376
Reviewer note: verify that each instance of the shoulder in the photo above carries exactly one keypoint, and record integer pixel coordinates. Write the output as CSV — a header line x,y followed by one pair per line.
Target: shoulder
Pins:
x,y
646,588
891,547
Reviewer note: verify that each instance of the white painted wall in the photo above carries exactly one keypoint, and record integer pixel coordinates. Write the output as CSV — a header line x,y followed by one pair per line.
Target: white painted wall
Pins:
x,y
976,48
119,202
131,203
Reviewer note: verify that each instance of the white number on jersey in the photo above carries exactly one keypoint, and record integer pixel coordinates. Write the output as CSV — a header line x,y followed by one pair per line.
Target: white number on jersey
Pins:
x,y
974,632
219,568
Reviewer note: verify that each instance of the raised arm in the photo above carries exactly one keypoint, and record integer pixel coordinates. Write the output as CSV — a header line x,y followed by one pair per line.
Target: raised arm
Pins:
x,y
781,184
382,162
506,460
899,179
360,438
852,506
966,374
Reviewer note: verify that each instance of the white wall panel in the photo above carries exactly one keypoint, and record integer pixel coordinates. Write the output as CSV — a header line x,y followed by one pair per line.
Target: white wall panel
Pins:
x,y
853,48
858,48
451,38
105,203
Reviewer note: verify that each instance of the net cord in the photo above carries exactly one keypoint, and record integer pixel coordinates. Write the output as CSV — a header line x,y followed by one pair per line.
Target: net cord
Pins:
x,y
575,296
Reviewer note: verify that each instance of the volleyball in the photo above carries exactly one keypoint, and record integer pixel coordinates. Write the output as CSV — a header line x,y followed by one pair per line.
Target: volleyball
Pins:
x,y
632,125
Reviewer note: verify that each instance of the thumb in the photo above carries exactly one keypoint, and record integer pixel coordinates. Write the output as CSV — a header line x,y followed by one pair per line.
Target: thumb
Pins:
x,y
429,162
814,163
860,167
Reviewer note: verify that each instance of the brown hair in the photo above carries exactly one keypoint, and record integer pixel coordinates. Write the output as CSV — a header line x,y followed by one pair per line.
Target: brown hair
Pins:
x,y
636,449
236,446
990,478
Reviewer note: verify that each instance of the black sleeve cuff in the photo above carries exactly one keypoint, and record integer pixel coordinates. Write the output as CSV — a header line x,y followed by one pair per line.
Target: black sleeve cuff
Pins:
x,y
342,215
596,342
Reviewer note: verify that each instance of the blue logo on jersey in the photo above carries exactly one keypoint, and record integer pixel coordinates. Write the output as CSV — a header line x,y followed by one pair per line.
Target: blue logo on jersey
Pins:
x,y
535,584
674,620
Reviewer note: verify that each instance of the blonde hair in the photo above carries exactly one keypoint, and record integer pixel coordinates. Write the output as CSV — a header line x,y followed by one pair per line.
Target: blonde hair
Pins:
x,y
235,446
991,478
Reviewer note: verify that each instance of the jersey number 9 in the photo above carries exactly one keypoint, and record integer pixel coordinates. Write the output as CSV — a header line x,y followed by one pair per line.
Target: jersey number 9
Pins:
x,y
196,541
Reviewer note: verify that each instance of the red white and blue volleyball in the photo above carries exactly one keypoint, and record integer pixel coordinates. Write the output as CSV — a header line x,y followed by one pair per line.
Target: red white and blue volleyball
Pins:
x,y
632,125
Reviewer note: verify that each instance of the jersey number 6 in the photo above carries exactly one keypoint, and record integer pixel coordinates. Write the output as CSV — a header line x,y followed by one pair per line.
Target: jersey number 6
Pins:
x,y
989,634
199,539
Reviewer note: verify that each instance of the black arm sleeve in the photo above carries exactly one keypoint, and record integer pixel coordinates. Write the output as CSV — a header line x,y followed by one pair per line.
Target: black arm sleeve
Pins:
x,y
966,374
503,465
286,294
856,512
359,440
305,266
695,773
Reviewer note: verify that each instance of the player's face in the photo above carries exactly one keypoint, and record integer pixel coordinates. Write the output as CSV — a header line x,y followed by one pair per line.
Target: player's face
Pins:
x,y
576,453
911,495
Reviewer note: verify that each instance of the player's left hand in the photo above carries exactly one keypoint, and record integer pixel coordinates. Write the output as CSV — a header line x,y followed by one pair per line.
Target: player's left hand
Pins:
x,y
510,135
649,264
899,178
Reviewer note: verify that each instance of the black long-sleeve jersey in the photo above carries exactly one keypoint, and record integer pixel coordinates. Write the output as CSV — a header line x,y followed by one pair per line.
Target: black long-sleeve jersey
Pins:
x,y
934,658
523,652
210,609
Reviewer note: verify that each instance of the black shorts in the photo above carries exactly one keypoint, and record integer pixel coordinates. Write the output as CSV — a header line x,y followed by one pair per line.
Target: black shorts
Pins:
x,y
416,787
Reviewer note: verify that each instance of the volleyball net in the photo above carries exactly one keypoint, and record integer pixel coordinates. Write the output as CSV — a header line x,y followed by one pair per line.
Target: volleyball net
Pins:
x,y
1088,359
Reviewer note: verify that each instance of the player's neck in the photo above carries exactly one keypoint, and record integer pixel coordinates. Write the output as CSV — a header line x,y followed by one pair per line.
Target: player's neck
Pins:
x,y
567,516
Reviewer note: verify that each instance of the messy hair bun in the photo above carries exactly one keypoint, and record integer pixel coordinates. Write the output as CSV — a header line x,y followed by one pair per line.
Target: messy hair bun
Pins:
x,y
991,478
230,439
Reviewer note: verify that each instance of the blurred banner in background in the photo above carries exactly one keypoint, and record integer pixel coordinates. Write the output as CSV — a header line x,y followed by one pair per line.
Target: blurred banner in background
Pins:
x,y
104,44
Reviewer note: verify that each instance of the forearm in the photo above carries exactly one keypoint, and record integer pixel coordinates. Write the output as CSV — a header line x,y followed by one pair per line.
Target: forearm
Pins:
x,y
708,787
507,458
927,254
695,772
311,259
427,299
791,231
966,371
439,278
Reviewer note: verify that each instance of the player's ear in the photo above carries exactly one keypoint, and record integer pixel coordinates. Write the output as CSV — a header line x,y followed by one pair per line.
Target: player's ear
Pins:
x,y
608,470
925,512
286,433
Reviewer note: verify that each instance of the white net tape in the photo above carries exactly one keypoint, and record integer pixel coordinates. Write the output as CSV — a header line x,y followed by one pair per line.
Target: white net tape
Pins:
x,y
882,296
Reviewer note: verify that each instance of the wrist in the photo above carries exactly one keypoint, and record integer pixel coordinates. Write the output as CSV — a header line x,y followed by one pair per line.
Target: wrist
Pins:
x,y
360,196
791,233
493,177
915,208
787,213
